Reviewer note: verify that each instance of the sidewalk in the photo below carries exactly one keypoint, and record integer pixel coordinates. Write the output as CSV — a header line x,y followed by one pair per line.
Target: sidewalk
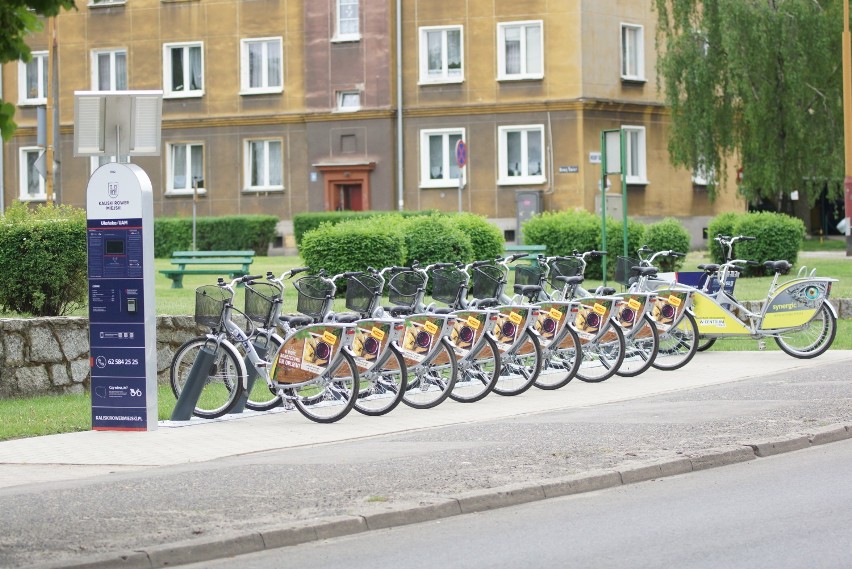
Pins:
x,y
205,489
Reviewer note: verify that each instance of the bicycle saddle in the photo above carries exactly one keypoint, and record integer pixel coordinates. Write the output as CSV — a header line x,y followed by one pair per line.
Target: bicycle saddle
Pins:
x,y
347,317
576,279
486,302
442,310
782,267
709,267
296,320
605,291
645,271
397,311
527,290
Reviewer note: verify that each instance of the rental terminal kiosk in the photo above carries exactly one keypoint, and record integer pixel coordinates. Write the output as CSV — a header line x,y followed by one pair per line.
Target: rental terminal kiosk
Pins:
x,y
120,242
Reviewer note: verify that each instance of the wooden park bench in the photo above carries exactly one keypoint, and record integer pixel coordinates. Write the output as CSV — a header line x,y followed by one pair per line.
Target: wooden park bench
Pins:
x,y
232,263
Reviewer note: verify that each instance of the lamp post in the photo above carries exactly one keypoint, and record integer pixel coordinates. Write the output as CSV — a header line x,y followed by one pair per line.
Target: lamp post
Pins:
x,y
847,124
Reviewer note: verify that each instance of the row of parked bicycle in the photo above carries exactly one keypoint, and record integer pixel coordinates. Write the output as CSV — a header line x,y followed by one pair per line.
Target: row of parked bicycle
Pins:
x,y
421,334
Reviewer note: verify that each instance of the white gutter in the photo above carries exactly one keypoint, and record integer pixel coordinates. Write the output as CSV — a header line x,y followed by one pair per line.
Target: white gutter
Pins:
x,y
400,157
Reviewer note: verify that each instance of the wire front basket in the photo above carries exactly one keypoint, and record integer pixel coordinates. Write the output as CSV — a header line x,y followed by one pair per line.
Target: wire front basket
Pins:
x,y
447,284
487,280
362,293
210,302
528,274
315,296
567,267
623,270
403,288
260,302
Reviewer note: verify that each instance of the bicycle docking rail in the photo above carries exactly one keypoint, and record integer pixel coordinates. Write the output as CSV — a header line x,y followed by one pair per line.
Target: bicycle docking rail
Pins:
x,y
194,384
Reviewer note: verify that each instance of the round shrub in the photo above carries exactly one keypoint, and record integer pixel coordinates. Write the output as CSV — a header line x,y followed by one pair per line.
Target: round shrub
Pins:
x,y
664,235
779,237
485,237
563,232
723,224
435,239
354,245
43,253
615,246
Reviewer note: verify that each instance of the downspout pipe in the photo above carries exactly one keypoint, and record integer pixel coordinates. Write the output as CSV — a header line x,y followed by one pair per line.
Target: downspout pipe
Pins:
x,y
400,157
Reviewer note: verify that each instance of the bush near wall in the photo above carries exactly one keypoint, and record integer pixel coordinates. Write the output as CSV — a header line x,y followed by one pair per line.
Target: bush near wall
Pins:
x,y
485,237
562,232
779,237
723,224
435,239
43,269
304,222
229,232
615,246
664,235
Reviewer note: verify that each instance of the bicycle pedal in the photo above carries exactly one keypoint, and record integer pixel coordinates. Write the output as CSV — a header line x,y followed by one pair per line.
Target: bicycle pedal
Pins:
x,y
761,345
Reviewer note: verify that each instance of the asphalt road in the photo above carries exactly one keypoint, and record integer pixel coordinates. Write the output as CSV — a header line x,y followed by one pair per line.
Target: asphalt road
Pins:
x,y
785,512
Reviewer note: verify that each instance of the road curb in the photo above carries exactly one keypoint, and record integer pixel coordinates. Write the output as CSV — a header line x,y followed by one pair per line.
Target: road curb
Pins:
x,y
469,502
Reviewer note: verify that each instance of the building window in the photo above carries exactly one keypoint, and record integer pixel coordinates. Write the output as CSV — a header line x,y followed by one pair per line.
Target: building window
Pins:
x,y
632,53
31,182
183,70
109,70
260,65
703,175
348,101
634,137
99,3
263,161
185,166
348,27
520,50
438,167
521,155
441,55
32,80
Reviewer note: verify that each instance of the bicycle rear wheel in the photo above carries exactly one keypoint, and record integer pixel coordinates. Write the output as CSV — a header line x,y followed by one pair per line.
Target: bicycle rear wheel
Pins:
x,y
478,374
332,395
223,378
813,338
640,349
262,397
381,388
705,343
560,363
603,357
520,368
433,381
678,344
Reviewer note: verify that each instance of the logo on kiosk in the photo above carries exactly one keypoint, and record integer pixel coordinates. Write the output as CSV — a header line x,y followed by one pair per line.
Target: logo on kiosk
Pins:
x,y
112,189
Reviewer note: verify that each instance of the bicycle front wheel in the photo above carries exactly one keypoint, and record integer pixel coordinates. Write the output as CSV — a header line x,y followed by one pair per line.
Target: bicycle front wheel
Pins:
x,y
520,368
478,373
705,343
332,395
382,387
433,381
603,357
222,378
640,349
561,363
678,344
262,397
813,338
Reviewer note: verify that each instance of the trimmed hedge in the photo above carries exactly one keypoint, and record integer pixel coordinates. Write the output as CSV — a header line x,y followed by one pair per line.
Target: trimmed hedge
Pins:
x,y
43,254
304,222
615,246
436,239
722,224
485,237
223,233
668,234
354,245
779,236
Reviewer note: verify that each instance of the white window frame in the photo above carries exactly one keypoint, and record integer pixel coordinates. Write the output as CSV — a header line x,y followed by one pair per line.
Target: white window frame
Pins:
x,y
247,187
703,176
269,44
105,3
113,75
524,177
168,92
340,36
449,158
24,176
640,176
39,58
341,97
632,41
170,189
502,75
445,76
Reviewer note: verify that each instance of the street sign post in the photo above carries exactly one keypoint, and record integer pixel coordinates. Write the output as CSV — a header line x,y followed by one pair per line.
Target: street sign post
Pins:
x,y
461,160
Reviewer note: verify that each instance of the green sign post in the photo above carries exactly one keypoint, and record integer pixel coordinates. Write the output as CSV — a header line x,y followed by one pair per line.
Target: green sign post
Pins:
x,y
613,161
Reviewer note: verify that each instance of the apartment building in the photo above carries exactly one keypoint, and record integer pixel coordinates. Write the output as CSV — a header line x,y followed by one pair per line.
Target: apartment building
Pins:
x,y
286,106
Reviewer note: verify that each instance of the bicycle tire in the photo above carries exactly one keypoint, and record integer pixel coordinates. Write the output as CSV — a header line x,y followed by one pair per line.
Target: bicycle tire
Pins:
x,y
225,377
705,343
560,365
262,397
520,368
603,357
678,345
380,390
333,395
433,381
478,374
640,349
819,337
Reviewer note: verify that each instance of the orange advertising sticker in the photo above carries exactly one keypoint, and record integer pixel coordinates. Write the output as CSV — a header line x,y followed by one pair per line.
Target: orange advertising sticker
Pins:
x,y
555,314
377,333
430,327
329,337
634,304
473,322
674,300
599,308
515,318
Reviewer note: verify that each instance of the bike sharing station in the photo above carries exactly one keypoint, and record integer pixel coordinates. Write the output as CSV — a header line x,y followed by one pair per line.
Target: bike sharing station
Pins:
x,y
120,243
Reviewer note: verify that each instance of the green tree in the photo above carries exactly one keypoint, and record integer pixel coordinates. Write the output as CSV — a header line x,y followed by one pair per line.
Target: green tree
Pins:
x,y
19,18
757,81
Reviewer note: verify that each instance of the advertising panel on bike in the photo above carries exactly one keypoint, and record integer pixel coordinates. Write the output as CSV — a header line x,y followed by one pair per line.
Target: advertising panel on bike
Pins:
x,y
372,338
795,303
669,307
592,314
422,335
510,325
552,317
630,310
468,328
309,352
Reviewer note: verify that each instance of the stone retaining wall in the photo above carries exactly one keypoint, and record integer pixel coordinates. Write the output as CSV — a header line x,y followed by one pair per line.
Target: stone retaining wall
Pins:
x,y
41,356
